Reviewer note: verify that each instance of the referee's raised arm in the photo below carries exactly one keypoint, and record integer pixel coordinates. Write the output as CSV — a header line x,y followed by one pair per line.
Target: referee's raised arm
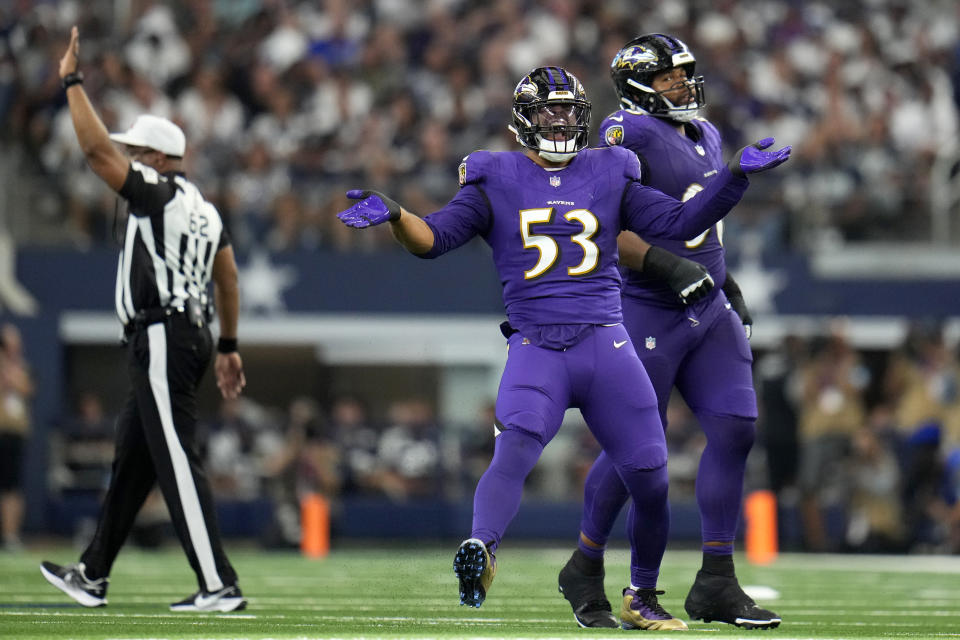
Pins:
x,y
103,156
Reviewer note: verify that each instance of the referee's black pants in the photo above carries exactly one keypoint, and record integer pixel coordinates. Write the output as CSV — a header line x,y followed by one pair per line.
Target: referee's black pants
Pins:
x,y
156,442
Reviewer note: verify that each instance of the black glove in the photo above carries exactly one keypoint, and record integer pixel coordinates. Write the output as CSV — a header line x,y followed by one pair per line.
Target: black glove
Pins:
x,y
735,298
690,280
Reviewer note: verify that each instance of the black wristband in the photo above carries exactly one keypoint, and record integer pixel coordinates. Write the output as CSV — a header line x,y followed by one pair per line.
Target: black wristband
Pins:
x,y
71,79
226,345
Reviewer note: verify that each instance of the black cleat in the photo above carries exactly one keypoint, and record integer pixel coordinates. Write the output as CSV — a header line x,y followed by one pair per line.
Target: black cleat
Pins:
x,y
73,581
586,595
475,568
720,598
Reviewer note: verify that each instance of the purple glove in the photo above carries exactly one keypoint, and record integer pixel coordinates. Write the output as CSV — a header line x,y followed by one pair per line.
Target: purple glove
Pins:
x,y
374,208
753,159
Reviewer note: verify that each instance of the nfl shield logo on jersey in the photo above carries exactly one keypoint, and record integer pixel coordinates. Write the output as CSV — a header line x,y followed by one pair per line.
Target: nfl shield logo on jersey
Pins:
x,y
614,135
554,181
462,173
650,343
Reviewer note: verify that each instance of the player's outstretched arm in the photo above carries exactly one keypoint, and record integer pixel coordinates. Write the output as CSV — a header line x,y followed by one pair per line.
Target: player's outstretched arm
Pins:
x,y
374,208
690,280
755,158
104,158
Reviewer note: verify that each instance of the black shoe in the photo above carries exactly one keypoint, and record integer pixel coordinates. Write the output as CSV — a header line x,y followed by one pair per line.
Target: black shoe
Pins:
x,y
72,580
475,568
720,598
224,600
586,595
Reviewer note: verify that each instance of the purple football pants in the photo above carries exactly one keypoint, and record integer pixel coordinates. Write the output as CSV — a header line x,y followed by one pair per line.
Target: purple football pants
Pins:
x,y
703,350
602,376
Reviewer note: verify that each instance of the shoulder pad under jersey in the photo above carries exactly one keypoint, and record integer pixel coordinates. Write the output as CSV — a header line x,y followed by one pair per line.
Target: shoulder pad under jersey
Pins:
x,y
474,167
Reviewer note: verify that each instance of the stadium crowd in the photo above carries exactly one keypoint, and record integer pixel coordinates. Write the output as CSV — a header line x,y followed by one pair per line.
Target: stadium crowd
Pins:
x,y
287,102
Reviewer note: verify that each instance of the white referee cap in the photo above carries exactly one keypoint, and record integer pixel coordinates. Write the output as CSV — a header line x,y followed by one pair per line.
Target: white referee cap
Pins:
x,y
154,132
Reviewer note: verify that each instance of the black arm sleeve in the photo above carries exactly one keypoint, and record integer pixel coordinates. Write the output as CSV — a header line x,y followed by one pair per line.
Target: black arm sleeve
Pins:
x,y
225,240
735,298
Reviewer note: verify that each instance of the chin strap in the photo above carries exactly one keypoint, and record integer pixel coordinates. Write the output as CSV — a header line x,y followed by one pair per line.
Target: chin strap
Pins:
x,y
556,157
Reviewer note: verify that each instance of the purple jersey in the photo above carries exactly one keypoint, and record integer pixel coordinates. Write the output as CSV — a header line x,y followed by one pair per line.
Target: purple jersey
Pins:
x,y
680,166
553,232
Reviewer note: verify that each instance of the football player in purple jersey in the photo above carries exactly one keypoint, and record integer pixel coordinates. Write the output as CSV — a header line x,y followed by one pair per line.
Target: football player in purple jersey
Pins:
x,y
551,214
687,334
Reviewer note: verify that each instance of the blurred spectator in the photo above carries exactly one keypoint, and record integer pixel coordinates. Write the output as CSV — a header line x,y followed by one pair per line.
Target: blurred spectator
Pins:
x,y
477,441
81,463
82,450
211,115
16,389
243,437
318,464
923,382
930,504
409,452
214,120
288,230
251,192
308,462
357,440
156,47
831,411
953,485
875,519
282,127
779,395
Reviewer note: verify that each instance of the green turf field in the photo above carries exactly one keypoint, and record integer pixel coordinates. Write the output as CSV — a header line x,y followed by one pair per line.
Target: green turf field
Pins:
x,y
400,593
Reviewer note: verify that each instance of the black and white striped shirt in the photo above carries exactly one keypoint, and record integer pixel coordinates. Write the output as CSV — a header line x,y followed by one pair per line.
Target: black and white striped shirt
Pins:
x,y
171,239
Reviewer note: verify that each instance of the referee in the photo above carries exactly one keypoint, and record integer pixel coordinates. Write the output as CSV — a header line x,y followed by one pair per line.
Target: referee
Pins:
x,y
175,242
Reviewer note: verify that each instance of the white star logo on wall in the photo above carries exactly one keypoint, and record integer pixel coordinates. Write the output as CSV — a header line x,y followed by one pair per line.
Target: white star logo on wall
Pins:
x,y
262,284
759,285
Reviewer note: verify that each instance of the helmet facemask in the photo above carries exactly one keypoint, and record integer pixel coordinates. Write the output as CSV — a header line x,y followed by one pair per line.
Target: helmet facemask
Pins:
x,y
554,128
643,59
645,98
551,114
